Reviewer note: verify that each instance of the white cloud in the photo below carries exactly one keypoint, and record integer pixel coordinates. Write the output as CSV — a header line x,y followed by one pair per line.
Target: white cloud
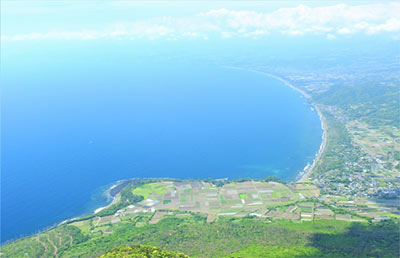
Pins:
x,y
302,19
330,37
344,31
390,26
329,21
294,32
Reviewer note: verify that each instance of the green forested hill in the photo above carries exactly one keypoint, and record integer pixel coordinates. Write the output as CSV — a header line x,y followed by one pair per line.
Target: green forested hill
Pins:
x,y
373,103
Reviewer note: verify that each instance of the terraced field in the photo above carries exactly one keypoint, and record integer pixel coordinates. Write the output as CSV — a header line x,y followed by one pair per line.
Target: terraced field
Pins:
x,y
47,244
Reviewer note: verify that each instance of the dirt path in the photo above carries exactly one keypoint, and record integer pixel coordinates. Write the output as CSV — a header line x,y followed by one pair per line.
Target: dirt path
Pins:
x,y
97,222
54,246
59,240
43,244
254,186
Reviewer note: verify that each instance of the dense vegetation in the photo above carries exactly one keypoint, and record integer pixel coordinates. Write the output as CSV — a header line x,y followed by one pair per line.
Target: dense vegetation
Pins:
x,y
141,251
221,182
230,237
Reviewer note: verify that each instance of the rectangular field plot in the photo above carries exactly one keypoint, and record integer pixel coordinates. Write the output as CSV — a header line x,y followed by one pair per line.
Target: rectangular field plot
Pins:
x,y
233,199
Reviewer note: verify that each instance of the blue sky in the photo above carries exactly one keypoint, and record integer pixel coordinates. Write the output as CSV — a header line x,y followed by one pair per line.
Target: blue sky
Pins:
x,y
131,20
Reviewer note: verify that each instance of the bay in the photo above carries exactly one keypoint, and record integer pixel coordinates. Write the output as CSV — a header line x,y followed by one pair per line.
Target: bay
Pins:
x,y
74,121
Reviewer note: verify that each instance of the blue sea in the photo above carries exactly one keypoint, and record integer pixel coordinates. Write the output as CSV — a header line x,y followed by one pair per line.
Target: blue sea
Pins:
x,y
77,118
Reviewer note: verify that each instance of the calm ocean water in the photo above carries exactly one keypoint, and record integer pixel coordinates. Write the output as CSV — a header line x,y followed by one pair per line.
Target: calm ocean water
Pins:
x,y
74,122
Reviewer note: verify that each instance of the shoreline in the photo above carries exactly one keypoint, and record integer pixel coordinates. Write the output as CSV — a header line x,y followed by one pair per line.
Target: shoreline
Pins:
x,y
307,171
108,193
